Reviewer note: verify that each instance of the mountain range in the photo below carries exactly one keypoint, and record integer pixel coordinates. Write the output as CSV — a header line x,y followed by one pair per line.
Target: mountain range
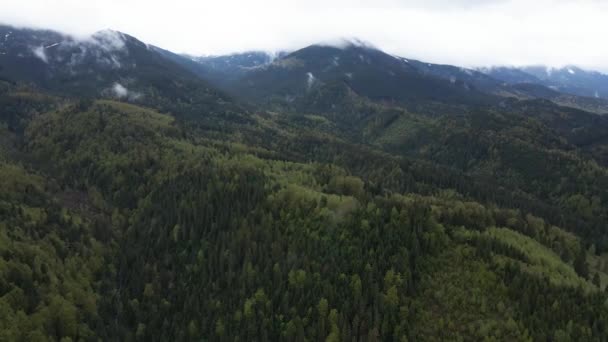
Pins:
x,y
54,60
335,192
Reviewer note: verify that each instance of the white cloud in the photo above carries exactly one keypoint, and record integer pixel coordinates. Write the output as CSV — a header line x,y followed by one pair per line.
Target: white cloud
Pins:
x,y
119,90
310,79
108,40
39,52
462,32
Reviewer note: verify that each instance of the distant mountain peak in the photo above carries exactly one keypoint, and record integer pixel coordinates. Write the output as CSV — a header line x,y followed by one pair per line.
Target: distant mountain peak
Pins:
x,y
110,39
345,43
569,79
242,59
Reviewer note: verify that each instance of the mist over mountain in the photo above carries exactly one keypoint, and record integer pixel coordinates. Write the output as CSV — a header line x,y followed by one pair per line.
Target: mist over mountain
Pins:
x,y
569,79
331,192
47,57
467,33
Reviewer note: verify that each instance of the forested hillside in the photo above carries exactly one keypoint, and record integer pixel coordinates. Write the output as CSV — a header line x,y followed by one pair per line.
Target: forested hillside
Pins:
x,y
336,216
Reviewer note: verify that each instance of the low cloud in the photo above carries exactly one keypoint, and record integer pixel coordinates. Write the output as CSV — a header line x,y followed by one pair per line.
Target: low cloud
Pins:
x,y
108,40
39,52
461,32
106,47
343,43
120,91
310,79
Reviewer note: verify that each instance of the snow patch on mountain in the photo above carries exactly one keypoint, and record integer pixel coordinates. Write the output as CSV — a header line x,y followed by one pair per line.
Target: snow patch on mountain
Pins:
x,y
336,61
401,59
467,71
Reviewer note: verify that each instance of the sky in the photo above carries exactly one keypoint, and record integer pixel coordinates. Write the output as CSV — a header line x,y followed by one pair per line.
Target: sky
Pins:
x,y
468,33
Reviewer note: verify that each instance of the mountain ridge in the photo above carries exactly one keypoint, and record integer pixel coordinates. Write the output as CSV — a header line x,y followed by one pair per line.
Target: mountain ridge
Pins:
x,y
343,194
54,57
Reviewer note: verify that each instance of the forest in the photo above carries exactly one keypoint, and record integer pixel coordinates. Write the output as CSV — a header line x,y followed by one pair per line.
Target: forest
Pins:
x,y
123,222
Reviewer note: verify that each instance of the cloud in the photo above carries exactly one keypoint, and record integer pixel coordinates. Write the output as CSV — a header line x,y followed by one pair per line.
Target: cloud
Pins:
x,y
106,47
109,40
119,90
310,79
343,43
461,32
39,52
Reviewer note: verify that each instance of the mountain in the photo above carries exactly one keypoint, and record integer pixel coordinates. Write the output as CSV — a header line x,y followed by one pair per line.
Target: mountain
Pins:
x,y
506,82
455,74
569,86
358,196
117,188
82,66
573,80
237,62
510,75
568,79
223,70
108,63
300,78
367,71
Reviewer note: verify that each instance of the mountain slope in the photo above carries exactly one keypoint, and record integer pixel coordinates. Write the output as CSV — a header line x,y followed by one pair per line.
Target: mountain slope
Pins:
x,y
511,75
455,74
572,80
294,77
109,64
367,71
247,238
569,79
352,210
511,82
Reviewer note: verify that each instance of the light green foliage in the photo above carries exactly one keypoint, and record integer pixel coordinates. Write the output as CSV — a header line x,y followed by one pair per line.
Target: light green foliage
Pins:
x,y
128,224
543,261
47,286
462,297
404,130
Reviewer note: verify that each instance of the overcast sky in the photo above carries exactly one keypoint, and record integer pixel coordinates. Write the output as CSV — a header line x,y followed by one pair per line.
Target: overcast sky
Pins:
x,y
461,32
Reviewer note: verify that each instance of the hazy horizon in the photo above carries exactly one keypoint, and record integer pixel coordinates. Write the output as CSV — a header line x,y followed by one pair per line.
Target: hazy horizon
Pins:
x,y
468,33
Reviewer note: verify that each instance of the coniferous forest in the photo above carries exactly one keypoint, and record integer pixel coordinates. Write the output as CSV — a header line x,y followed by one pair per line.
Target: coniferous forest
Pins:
x,y
337,211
